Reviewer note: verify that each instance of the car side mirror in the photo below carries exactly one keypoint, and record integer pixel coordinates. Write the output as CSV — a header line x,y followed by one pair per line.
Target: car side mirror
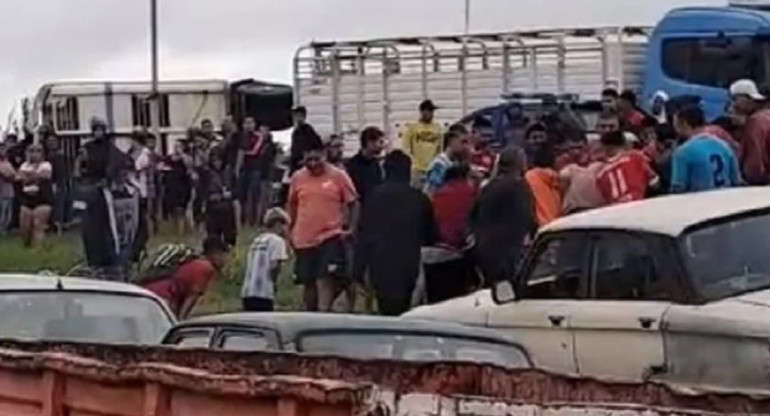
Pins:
x,y
503,292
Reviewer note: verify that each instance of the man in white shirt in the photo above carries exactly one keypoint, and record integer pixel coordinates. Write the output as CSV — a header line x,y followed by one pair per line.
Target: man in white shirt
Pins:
x,y
267,254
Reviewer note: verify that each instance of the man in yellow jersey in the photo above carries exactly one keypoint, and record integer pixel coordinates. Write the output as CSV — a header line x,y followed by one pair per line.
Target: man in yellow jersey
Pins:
x,y
423,141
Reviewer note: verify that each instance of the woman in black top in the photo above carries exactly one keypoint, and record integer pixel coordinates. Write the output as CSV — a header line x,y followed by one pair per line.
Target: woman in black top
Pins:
x,y
36,196
220,212
178,184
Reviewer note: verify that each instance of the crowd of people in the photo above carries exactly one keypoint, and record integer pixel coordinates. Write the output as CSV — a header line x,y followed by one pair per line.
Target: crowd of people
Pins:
x,y
446,206
443,205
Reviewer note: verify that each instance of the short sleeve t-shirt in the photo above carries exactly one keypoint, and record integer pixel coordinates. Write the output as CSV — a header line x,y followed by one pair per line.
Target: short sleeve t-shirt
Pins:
x,y
582,192
625,178
544,184
190,279
319,203
265,252
704,163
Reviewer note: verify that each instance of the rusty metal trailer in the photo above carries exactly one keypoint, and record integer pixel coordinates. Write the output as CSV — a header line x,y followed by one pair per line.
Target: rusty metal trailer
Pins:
x,y
94,380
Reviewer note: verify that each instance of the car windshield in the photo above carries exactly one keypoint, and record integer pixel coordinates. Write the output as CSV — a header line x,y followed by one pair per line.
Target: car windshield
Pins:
x,y
413,347
729,258
82,316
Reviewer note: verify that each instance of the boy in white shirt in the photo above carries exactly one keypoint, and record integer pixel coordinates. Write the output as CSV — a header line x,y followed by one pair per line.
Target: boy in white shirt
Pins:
x,y
267,254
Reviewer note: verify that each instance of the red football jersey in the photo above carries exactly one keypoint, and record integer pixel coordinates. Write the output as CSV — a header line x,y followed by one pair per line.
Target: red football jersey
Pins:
x,y
625,178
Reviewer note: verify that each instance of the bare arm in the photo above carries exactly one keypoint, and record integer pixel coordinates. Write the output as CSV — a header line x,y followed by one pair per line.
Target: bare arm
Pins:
x,y
354,215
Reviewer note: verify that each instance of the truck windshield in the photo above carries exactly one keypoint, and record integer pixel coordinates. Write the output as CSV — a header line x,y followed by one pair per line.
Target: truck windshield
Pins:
x,y
729,258
717,62
82,316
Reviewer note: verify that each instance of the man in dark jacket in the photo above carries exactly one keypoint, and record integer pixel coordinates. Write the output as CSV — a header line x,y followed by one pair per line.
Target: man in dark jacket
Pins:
x,y
397,221
367,169
503,216
303,138
104,169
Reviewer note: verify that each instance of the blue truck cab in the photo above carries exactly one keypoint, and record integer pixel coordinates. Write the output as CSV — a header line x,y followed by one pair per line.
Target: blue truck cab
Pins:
x,y
701,51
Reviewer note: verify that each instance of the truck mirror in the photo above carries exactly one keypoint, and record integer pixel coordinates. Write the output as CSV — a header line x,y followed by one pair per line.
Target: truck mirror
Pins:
x,y
503,292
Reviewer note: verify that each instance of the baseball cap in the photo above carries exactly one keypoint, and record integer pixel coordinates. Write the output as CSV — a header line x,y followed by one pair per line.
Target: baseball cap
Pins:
x,y
428,105
746,87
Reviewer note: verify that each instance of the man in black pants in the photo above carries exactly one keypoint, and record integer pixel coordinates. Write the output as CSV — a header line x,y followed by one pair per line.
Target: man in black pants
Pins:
x,y
396,222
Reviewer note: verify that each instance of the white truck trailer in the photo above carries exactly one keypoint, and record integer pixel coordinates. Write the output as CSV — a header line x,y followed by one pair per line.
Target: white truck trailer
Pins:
x,y
349,85
69,106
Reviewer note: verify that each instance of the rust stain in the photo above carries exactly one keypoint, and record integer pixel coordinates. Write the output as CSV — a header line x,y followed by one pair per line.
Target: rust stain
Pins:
x,y
315,390
289,374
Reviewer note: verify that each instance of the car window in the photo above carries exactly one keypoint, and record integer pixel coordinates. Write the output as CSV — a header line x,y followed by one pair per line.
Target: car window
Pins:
x,y
192,339
623,269
557,270
729,258
413,347
83,316
712,62
245,341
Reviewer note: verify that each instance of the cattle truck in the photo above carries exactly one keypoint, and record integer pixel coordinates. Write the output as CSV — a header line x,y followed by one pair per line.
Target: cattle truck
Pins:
x,y
700,51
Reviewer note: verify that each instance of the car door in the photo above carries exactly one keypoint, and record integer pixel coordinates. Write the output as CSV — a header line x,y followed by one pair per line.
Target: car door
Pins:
x,y
618,328
551,281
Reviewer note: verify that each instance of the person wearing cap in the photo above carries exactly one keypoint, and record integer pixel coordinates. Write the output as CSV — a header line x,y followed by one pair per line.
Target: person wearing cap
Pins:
x,y
748,103
423,140
303,137
266,257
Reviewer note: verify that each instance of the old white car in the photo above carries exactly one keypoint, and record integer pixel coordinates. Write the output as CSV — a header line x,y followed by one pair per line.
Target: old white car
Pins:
x,y
674,289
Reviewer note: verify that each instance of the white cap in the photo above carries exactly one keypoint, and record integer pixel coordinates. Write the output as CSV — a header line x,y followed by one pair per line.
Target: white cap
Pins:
x,y
746,87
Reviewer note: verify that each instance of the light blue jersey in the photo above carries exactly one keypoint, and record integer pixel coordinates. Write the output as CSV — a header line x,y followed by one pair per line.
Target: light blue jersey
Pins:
x,y
703,163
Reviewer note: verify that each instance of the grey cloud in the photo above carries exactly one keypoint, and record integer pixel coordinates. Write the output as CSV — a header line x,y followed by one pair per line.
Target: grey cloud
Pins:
x,y
45,40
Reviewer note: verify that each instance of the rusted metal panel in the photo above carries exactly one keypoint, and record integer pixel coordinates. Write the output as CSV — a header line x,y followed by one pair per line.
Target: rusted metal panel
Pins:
x,y
401,388
59,384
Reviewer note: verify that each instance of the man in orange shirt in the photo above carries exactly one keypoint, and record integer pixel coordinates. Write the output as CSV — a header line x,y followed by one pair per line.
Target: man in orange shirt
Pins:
x,y
543,180
323,208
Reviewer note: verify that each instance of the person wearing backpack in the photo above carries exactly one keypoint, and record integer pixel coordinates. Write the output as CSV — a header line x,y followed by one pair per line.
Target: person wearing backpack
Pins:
x,y
184,285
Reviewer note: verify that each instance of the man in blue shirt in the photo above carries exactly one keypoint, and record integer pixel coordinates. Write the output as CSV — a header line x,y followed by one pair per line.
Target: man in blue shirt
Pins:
x,y
703,162
457,149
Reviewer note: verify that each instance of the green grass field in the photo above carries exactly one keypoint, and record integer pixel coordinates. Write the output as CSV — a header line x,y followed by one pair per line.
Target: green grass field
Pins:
x,y
61,253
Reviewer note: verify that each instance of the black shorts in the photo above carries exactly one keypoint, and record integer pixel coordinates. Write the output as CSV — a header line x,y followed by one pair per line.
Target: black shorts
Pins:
x,y
258,305
329,259
220,221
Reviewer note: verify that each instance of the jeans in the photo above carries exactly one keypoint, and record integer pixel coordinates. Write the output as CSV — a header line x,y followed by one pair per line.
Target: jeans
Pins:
x,y
6,213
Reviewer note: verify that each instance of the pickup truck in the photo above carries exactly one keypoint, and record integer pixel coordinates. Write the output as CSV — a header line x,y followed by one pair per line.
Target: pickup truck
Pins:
x,y
674,288
99,380
347,85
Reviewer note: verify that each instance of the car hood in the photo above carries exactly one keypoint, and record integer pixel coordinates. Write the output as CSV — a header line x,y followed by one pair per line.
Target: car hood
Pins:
x,y
472,309
745,315
759,298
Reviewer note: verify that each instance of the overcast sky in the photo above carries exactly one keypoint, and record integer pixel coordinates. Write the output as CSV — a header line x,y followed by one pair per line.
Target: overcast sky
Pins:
x,y
51,40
